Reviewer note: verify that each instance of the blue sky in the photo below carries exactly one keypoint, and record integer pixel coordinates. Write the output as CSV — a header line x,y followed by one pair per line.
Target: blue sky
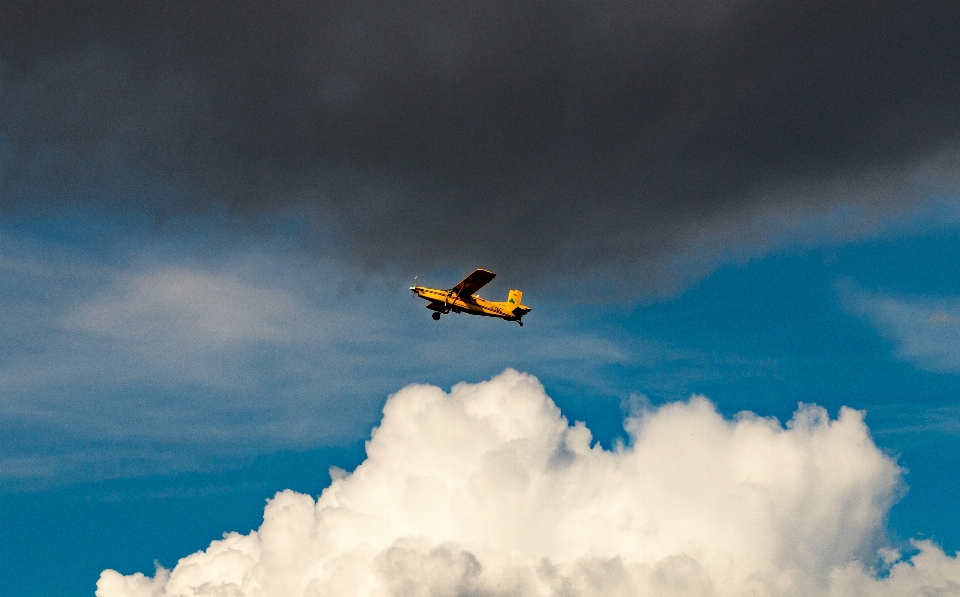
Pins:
x,y
211,212
156,392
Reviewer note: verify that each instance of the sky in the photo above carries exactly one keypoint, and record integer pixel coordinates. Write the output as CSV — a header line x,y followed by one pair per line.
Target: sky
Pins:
x,y
737,221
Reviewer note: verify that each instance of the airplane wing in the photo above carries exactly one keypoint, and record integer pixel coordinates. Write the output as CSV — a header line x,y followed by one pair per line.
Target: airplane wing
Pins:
x,y
472,283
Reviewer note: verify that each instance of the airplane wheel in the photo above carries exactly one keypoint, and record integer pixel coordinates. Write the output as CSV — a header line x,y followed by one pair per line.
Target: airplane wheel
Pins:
x,y
436,316
521,323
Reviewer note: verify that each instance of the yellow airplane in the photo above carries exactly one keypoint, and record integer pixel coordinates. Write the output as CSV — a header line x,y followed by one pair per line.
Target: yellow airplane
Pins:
x,y
461,299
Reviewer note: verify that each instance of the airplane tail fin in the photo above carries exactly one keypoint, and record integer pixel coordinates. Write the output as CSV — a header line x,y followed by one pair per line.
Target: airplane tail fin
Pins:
x,y
513,299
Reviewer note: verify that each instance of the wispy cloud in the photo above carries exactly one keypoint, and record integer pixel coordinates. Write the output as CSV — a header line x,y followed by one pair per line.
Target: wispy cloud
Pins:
x,y
175,303
940,420
926,330
124,359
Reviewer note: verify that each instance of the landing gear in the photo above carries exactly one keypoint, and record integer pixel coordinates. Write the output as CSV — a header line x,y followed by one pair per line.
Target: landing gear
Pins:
x,y
436,316
520,322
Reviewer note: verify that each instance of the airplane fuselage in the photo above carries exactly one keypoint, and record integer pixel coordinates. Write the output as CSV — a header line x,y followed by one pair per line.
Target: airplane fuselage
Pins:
x,y
463,298
443,301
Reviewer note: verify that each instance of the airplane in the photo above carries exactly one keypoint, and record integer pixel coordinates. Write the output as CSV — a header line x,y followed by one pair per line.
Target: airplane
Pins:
x,y
461,299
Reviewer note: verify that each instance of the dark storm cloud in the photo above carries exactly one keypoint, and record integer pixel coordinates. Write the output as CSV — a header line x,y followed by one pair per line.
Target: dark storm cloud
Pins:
x,y
539,137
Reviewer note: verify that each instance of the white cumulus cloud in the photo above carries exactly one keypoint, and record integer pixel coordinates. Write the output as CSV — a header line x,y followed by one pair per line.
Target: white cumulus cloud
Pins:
x,y
487,490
